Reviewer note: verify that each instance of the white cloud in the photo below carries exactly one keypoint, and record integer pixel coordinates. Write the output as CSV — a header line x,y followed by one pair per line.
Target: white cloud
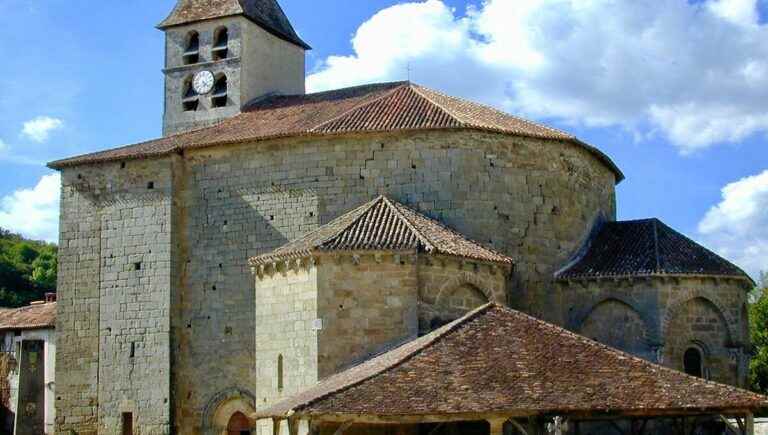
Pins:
x,y
696,73
40,128
34,212
738,226
3,146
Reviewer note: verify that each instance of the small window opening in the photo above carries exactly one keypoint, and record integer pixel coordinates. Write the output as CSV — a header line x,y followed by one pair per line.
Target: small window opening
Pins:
x,y
137,266
221,44
192,51
280,373
219,98
133,349
127,423
122,165
693,362
151,185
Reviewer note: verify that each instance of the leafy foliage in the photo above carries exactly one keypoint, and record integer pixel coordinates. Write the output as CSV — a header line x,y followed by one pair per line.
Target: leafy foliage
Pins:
x,y
27,269
758,319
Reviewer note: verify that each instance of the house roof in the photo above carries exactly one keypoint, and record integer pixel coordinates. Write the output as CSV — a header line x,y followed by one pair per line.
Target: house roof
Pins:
x,y
500,361
383,224
645,248
37,316
265,13
386,107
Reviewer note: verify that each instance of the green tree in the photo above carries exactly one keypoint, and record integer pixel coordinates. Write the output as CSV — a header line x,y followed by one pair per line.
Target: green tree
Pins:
x,y
27,269
758,319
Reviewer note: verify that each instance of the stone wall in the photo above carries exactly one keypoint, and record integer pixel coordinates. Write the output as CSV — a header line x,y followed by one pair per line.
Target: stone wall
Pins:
x,y
449,287
258,64
534,200
661,318
113,338
367,303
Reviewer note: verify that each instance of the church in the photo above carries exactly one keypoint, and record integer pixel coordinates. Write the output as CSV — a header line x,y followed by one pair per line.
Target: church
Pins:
x,y
274,239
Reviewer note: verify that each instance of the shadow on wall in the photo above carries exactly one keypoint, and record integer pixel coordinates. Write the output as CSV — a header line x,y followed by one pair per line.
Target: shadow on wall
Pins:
x,y
7,417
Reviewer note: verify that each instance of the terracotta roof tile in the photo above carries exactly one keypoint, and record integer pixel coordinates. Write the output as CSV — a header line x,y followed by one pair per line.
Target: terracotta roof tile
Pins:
x,y
37,316
645,248
383,107
384,224
265,13
496,360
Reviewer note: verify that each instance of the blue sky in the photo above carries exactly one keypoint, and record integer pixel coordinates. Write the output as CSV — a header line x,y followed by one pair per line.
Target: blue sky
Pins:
x,y
672,90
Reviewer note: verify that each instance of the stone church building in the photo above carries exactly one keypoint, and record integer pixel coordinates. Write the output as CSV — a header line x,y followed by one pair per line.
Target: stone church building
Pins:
x,y
272,238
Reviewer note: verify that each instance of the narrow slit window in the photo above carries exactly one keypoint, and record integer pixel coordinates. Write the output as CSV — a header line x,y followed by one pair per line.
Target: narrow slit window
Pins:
x,y
221,44
219,98
127,423
280,373
192,50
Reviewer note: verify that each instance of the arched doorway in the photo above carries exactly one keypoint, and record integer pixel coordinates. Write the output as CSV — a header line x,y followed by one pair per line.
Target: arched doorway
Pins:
x,y
239,425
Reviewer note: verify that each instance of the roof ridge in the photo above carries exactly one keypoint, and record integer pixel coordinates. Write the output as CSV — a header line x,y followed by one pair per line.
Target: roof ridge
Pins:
x,y
488,107
429,340
418,90
363,104
363,211
656,245
429,245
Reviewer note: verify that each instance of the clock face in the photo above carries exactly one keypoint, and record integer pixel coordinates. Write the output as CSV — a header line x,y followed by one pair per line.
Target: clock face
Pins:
x,y
203,82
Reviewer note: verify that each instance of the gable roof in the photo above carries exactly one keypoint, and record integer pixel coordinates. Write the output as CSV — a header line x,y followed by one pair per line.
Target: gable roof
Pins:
x,y
266,13
385,107
38,316
383,224
645,248
496,360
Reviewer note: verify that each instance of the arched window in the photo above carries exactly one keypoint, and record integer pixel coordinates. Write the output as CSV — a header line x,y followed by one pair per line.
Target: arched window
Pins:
x,y
192,48
220,44
219,98
280,373
693,362
189,98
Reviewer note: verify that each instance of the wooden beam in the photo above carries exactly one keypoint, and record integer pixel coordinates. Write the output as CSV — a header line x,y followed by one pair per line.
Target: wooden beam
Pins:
x,y
343,428
519,426
293,426
276,423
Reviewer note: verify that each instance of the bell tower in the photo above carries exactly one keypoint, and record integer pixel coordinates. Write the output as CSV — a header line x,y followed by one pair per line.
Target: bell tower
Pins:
x,y
222,54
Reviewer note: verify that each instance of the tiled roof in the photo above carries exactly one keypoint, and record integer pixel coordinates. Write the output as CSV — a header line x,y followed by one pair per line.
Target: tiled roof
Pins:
x,y
265,13
385,107
383,224
645,248
38,316
496,360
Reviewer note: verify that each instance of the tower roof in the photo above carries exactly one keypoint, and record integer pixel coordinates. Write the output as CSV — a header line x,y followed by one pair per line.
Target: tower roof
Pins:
x,y
645,248
496,360
265,13
383,224
384,107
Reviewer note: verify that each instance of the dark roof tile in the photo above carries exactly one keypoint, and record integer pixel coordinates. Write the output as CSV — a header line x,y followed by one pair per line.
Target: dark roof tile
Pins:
x,y
385,107
496,360
383,224
265,13
645,248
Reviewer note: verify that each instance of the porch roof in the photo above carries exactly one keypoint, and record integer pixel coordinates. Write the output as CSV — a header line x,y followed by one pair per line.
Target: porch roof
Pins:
x,y
503,363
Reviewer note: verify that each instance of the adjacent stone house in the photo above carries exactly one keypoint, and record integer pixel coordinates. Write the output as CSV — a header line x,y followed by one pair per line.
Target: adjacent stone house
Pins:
x,y
160,328
28,357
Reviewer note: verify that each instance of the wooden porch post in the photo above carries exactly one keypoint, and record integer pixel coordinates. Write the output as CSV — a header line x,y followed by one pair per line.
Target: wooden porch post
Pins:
x,y
749,424
293,426
276,423
497,426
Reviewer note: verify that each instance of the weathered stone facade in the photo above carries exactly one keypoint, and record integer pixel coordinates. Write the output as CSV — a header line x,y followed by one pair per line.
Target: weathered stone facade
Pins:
x,y
661,318
223,205
318,315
